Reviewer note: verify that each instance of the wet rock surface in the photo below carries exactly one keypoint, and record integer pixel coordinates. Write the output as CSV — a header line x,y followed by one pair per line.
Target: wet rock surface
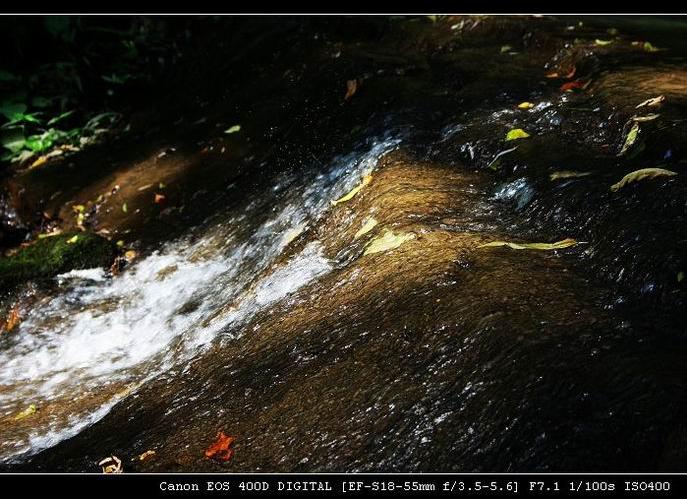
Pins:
x,y
258,308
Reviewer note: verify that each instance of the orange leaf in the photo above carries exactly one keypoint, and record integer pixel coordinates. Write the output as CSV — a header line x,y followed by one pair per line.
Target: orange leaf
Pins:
x,y
574,85
551,75
221,450
13,319
351,88
159,198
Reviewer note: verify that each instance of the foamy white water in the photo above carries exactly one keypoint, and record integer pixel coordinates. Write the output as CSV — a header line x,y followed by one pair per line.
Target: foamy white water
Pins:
x,y
165,308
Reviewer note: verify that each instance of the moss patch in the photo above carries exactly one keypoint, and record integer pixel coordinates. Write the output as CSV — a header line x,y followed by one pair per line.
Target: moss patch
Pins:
x,y
53,255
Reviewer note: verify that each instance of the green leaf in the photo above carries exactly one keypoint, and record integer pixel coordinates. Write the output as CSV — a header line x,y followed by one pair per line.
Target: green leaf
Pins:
x,y
13,139
642,174
11,109
630,139
60,117
516,133
602,42
233,129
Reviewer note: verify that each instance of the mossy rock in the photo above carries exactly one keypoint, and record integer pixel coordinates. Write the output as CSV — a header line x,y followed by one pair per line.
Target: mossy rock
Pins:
x,y
54,255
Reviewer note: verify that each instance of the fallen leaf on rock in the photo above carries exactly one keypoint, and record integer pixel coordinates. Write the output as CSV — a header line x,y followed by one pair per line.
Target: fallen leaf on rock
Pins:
x,y
159,198
648,117
233,129
39,162
387,241
221,449
146,455
370,224
366,180
497,159
565,243
567,174
13,320
525,105
574,85
29,411
642,174
516,133
111,464
351,88
630,139
653,102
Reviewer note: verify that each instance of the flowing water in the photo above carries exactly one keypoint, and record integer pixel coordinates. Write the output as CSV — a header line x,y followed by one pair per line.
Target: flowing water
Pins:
x,y
276,322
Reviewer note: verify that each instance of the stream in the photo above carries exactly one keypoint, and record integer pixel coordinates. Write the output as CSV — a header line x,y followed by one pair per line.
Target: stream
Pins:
x,y
270,316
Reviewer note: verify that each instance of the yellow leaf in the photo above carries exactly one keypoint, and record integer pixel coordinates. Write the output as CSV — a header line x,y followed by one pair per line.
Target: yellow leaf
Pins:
x,y
40,161
29,411
366,180
146,455
387,241
602,42
648,117
125,208
367,227
79,208
525,105
233,129
72,240
565,243
120,244
641,175
567,174
517,133
653,102
130,255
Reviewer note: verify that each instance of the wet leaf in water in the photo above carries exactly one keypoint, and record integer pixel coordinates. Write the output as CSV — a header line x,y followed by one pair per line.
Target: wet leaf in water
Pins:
x,y
630,138
221,449
574,85
642,119
680,276
146,455
642,174
111,464
12,321
506,48
29,411
563,174
366,180
516,133
565,243
369,224
525,105
351,88
653,102
72,240
387,241
602,42
125,208
496,162
233,129
647,46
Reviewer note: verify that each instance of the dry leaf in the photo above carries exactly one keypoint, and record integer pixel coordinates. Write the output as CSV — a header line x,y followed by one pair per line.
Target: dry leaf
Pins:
x,y
146,455
221,449
13,319
29,411
565,243
366,180
653,102
351,88
111,464
516,133
567,174
642,174
387,241
370,224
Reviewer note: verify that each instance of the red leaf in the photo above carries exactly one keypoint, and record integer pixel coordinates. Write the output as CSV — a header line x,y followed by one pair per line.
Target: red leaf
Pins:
x,y
221,450
574,85
159,198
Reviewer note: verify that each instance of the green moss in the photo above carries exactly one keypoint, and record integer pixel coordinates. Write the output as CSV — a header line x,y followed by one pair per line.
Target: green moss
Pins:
x,y
54,255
